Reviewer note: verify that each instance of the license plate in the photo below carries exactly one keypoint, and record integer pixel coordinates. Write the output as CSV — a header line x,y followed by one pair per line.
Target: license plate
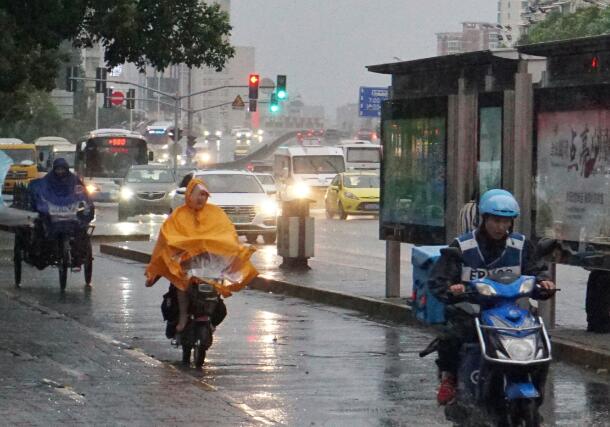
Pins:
x,y
239,219
372,206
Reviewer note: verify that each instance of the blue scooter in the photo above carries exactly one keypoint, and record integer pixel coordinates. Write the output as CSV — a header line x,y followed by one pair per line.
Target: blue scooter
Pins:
x,y
501,378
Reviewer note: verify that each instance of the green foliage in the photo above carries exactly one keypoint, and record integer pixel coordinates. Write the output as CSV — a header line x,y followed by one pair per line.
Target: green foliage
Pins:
x,y
33,48
589,21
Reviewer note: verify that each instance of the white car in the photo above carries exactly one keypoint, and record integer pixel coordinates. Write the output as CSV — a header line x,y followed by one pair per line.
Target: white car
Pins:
x,y
268,182
243,198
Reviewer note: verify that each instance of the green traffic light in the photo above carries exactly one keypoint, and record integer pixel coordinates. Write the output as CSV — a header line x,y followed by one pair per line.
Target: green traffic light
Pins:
x,y
281,94
274,108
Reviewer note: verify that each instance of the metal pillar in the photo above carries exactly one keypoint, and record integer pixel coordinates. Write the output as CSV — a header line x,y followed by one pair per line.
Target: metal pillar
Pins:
x,y
392,269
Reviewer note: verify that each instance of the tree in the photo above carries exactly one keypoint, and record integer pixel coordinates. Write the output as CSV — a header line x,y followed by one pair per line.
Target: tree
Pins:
x,y
589,21
144,32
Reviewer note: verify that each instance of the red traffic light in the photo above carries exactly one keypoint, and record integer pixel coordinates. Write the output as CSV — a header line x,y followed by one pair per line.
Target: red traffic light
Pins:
x,y
253,86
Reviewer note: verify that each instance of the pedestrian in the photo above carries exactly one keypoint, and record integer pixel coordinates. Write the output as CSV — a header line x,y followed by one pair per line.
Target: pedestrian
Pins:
x,y
597,303
192,232
489,248
469,214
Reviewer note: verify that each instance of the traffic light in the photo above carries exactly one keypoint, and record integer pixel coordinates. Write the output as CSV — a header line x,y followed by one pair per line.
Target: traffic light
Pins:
x,y
274,106
252,108
280,87
253,81
70,82
108,98
130,101
100,80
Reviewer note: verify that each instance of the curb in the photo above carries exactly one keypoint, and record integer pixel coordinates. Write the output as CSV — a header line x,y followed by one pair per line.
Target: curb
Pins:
x,y
563,350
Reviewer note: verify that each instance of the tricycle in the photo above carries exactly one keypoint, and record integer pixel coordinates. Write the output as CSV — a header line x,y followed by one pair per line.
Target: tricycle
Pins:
x,y
61,238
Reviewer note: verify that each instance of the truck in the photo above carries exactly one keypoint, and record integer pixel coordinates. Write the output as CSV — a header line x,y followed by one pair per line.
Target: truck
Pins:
x,y
361,154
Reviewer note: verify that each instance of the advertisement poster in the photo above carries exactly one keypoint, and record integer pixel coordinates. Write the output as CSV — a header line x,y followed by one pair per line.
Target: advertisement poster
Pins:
x,y
414,174
573,176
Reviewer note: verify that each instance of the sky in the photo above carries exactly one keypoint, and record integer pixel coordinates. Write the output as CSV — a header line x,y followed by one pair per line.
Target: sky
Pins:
x,y
323,46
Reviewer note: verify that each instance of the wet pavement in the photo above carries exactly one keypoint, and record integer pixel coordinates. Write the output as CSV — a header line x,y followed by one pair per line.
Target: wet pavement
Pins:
x,y
289,361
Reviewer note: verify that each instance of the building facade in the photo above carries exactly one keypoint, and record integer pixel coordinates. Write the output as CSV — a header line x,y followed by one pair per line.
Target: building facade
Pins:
x,y
475,36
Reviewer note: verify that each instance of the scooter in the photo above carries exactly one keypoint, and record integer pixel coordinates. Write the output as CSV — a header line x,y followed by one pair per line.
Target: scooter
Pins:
x,y
206,311
501,378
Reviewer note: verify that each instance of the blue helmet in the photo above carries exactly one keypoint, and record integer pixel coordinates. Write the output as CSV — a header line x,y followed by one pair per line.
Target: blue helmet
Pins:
x,y
500,203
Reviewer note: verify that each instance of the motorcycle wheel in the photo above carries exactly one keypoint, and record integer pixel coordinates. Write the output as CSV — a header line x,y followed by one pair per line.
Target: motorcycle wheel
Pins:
x,y
186,355
64,263
203,343
17,259
529,413
88,263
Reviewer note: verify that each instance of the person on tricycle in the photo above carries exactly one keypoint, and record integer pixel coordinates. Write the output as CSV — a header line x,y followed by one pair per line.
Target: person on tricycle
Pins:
x,y
63,206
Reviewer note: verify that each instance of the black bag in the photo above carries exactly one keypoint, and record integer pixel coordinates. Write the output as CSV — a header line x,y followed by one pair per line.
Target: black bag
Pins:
x,y
169,306
220,312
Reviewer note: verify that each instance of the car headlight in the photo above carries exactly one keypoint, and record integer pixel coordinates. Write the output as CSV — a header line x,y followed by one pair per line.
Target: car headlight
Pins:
x,y
527,286
91,188
172,194
269,208
485,290
299,190
350,195
203,157
126,193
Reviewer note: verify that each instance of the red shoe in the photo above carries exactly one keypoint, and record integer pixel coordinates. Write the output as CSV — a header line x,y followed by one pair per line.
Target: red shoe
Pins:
x,y
446,390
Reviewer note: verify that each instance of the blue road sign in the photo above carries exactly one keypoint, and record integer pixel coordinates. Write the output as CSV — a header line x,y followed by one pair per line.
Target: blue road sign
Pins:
x,y
370,100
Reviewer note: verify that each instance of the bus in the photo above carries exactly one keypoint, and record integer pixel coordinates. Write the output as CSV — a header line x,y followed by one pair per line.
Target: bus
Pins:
x,y
103,157
24,168
50,148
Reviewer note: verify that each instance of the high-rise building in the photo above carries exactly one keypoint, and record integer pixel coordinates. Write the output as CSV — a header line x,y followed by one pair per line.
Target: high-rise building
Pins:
x,y
474,36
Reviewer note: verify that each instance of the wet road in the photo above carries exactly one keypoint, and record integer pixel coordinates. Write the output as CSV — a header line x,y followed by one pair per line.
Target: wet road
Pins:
x,y
355,243
291,361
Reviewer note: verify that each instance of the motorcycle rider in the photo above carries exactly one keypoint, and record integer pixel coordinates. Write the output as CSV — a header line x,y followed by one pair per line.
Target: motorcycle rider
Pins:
x,y
194,230
491,247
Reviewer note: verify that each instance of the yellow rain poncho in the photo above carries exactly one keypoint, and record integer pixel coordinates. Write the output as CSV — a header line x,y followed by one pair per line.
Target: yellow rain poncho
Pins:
x,y
187,234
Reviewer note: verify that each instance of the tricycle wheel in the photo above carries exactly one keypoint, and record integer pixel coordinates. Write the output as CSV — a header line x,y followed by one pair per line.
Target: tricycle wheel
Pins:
x,y
88,263
17,259
64,263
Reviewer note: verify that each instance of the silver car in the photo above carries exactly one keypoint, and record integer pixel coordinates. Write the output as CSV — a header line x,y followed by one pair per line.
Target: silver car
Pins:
x,y
146,189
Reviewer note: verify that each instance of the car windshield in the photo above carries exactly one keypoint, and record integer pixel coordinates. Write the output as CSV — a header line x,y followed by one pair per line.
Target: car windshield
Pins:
x,y
363,154
266,179
149,175
20,156
318,164
361,181
231,183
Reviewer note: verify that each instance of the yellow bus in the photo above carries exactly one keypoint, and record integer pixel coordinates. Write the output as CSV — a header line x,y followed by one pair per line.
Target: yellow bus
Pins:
x,y
24,168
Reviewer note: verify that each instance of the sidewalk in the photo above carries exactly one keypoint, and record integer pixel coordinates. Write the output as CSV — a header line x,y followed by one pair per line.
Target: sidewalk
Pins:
x,y
59,372
363,290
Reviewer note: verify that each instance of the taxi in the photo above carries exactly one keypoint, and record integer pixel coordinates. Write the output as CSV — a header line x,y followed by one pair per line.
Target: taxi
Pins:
x,y
353,193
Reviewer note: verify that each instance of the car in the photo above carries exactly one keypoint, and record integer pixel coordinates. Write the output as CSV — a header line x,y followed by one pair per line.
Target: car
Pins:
x,y
146,189
268,182
243,198
352,193
367,135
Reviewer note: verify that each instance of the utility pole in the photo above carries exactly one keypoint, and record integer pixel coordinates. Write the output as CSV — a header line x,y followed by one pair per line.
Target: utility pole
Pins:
x,y
189,105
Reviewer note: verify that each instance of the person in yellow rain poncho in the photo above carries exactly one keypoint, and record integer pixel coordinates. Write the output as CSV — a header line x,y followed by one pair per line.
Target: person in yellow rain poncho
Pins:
x,y
192,234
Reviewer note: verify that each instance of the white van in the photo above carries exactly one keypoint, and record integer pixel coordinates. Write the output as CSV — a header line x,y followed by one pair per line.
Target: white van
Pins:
x,y
361,154
45,148
306,171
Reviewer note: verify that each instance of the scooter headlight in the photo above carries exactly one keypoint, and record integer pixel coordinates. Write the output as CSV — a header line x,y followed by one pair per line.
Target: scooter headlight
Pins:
x,y
485,290
521,349
527,286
